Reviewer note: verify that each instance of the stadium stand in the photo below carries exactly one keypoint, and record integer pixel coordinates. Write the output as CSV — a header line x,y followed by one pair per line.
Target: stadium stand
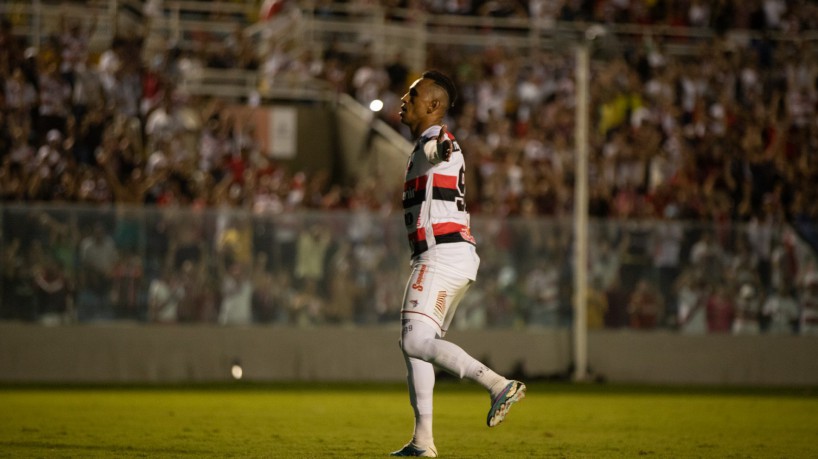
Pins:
x,y
703,147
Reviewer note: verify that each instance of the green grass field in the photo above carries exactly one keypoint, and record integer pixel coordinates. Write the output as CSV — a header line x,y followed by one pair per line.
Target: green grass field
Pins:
x,y
302,421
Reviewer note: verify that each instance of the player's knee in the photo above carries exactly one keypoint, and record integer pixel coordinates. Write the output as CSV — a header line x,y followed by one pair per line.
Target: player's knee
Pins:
x,y
411,347
417,340
415,346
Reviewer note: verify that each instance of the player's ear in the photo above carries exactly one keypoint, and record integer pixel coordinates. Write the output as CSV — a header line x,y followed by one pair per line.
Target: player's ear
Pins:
x,y
434,104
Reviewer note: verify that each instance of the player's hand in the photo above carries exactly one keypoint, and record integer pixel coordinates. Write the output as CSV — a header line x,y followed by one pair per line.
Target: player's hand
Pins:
x,y
444,144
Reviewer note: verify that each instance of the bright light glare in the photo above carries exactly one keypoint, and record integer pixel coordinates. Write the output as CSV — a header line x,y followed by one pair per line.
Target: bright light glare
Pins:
x,y
376,105
236,371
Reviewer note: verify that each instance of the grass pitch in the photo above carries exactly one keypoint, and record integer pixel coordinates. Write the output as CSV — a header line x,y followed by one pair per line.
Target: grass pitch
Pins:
x,y
304,421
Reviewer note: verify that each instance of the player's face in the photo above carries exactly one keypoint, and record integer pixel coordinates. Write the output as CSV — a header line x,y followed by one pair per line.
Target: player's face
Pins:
x,y
414,103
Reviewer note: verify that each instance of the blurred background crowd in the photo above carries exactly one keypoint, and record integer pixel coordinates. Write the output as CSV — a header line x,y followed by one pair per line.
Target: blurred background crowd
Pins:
x,y
702,168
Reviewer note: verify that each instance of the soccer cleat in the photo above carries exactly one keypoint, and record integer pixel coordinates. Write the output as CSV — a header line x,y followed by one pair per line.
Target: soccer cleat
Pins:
x,y
511,394
411,449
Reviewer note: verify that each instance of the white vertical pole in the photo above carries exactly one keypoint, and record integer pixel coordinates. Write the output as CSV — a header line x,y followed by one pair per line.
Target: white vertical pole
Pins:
x,y
581,215
36,23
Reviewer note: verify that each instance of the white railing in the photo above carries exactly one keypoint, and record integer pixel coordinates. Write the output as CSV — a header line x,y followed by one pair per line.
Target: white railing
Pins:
x,y
386,29
37,19
380,31
247,85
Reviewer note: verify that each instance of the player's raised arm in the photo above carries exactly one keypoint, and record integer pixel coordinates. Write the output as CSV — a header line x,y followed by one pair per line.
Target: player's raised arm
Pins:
x,y
440,148
444,144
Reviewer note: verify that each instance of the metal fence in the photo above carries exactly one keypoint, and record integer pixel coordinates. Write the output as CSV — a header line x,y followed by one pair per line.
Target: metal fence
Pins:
x,y
64,265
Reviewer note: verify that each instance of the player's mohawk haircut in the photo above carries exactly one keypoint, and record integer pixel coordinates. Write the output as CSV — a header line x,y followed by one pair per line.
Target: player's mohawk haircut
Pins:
x,y
444,82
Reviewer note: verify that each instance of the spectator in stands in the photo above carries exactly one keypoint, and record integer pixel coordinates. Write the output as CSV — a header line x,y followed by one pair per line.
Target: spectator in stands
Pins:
x,y
707,254
74,43
186,241
20,100
51,286
264,305
645,306
308,305
762,226
164,295
236,306
21,153
285,295
742,268
17,293
201,300
783,260
97,257
692,293
215,144
666,243
311,257
808,297
55,101
541,289
747,311
234,240
720,309
368,258
51,161
780,311
89,131
344,294
128,286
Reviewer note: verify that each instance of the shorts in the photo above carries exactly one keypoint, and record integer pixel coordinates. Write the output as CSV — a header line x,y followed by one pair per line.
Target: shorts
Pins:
x,y
432,295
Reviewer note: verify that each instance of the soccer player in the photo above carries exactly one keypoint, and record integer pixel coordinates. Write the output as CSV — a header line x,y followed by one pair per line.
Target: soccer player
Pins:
x,y
444,262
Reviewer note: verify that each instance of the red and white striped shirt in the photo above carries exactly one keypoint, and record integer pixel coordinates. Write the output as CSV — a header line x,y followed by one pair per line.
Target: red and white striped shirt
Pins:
x,y
434,208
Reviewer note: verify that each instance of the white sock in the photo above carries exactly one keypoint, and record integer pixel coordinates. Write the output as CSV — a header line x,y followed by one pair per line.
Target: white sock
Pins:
x,y
455,360
421,380
497,386
423,431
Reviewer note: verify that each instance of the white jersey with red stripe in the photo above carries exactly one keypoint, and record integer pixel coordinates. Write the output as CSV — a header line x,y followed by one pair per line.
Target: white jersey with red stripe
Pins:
x,y
434,208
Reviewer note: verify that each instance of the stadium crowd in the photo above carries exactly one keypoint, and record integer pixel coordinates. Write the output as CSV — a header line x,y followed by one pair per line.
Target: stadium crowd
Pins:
x,y
721,141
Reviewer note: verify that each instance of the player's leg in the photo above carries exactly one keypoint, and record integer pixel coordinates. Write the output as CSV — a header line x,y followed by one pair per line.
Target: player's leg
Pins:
x,y
420,378
420,341
428,313
421,382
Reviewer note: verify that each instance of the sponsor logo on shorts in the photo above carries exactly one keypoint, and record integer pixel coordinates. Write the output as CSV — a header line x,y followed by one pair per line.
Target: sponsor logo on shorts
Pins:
x,y
440,304
418,285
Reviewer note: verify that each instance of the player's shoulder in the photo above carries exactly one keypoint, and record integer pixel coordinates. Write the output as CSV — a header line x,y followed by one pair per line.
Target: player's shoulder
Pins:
x,y
431,132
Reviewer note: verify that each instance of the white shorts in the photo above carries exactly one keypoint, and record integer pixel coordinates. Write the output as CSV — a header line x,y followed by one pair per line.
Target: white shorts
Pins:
x,y
432,295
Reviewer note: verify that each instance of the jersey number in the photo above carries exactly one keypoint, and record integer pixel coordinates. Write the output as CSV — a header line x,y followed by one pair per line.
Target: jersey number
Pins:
x,y
460,200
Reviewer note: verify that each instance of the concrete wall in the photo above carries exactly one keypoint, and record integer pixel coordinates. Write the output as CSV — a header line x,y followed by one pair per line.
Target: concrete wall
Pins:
x,y
666,357
201,353
317,140
369,147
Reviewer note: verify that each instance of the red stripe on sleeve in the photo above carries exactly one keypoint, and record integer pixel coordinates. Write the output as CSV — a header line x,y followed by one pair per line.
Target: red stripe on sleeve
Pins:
x,y
445,181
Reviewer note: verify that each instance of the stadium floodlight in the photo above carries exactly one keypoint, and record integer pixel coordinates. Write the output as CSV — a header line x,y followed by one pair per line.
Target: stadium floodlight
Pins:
x,y
376,105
